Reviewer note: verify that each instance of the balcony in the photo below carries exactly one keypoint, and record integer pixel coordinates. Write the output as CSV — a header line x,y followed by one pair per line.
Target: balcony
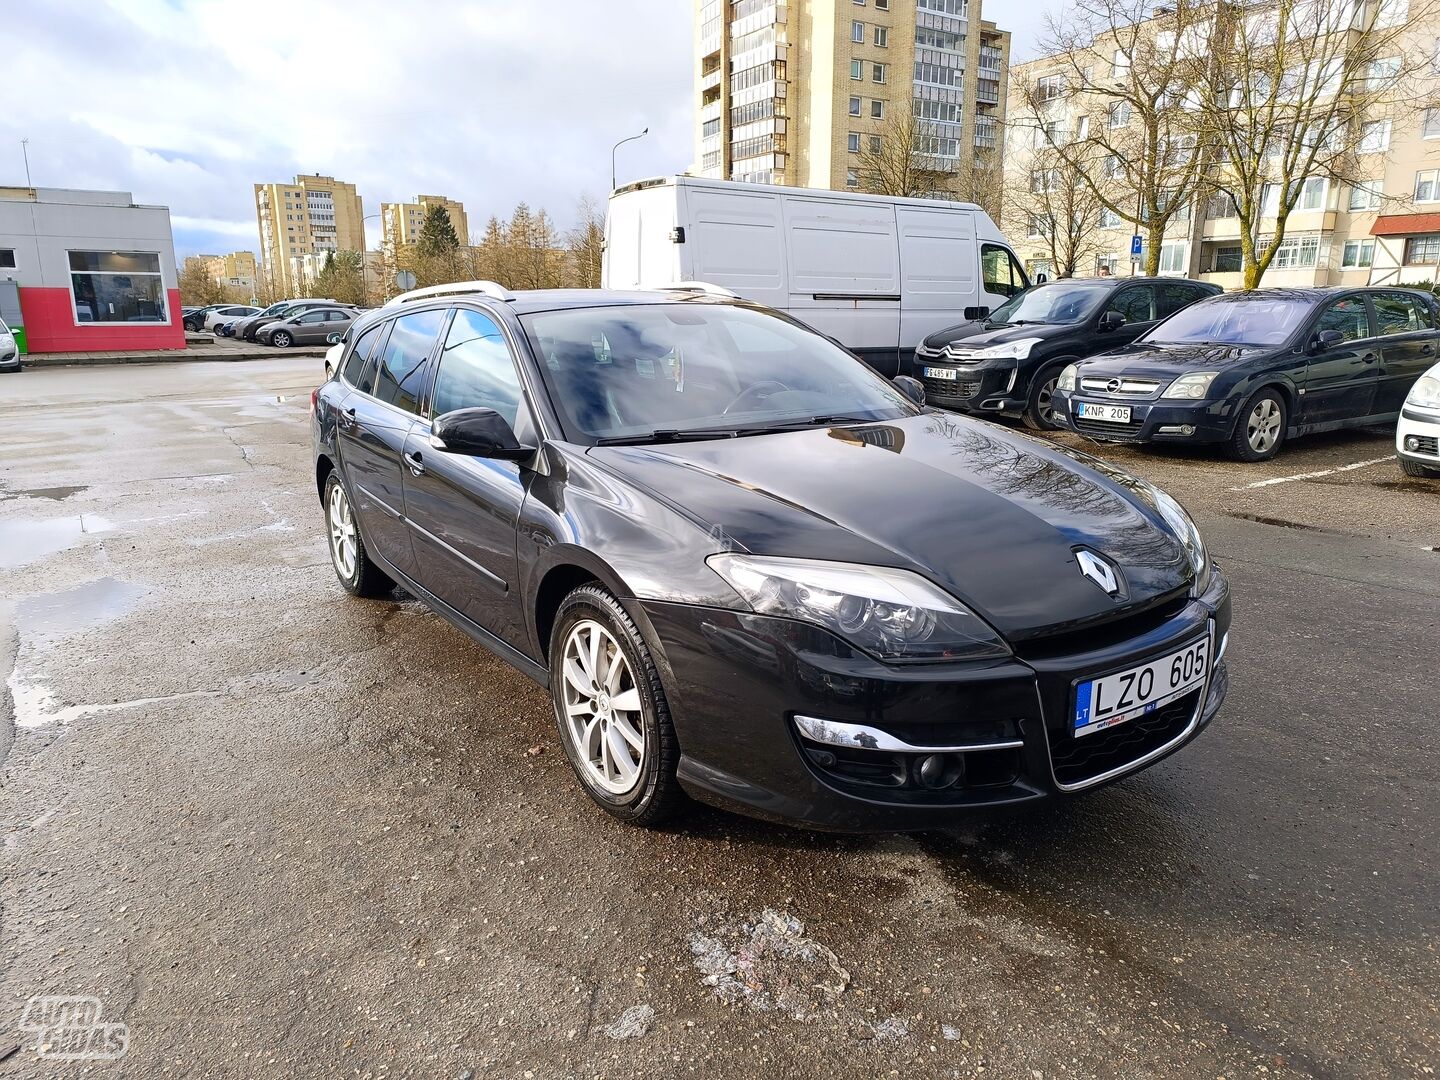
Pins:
x,y
711,81
986,92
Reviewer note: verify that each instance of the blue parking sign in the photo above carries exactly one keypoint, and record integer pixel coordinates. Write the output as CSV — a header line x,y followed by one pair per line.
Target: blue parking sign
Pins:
x,y
1137,246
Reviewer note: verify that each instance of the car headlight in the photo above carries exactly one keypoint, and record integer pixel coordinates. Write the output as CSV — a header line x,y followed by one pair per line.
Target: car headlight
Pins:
x,y
7,341
1016,350
1189,536
1425,394
892,614
1194,386
1067,377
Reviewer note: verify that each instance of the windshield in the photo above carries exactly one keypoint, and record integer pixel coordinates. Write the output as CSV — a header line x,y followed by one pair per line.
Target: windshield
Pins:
x,y
1251,320
1060,302
679,370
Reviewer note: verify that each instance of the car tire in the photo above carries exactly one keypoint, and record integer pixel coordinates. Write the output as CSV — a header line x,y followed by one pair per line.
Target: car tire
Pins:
x,y
1039,414
1414,468
281,339
591,628
1260,427
353,565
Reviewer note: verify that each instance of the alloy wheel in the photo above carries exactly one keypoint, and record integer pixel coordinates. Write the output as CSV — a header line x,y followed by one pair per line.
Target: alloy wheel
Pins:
x,y
602,708
342,532
1262,429
1045,403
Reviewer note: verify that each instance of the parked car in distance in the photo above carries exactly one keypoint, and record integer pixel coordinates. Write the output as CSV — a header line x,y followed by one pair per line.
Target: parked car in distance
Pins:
x,y
1007,363
1417,435
227,314
308,326
194,319
749,568
875,272
9,349
245,328
1249,370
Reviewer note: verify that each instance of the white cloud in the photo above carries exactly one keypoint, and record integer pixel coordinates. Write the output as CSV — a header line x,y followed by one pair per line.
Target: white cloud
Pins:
x,y
187,103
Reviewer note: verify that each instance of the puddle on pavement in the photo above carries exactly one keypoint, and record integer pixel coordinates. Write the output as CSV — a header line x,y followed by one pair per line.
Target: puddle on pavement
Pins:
x,y
47,617
24,542
53,494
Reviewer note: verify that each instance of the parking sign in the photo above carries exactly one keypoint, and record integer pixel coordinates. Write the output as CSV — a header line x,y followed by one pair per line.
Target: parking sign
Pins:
x,y
1137,246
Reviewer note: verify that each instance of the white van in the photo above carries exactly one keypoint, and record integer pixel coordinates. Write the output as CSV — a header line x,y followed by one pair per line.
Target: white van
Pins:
x,y
878,274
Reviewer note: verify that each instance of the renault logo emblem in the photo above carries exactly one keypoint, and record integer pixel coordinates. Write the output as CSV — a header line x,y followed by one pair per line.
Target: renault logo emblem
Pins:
x,y
1113,386
1098,571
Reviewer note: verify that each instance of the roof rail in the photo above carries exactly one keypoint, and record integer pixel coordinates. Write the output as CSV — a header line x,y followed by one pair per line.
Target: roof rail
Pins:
x,y
454,288
700,287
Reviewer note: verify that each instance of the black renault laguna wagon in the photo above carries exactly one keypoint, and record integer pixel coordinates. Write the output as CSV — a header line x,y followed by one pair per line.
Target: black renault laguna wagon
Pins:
x,y
751,570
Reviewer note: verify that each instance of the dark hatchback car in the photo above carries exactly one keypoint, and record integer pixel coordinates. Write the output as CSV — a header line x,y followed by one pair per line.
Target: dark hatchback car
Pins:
x,y
1249,370
750,569
1007,364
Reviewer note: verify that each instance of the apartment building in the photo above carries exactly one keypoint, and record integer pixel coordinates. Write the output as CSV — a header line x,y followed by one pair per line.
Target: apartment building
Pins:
x,y
798,93
312,215
239,268
401,222
1381,226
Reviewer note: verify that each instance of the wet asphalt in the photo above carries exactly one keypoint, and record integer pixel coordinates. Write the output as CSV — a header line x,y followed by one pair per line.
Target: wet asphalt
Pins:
x,y
277,831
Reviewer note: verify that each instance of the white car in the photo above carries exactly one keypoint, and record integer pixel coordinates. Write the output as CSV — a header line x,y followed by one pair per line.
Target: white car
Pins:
x,y
228,314
1417,436
9,350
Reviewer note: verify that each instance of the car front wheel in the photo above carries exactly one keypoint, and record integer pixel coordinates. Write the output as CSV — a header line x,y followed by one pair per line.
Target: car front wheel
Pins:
x,y
1039,413
611,711
281,340
1414,468
1260,430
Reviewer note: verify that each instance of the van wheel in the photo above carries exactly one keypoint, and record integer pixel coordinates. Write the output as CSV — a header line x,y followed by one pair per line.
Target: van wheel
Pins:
x,y
1039,414
611,710
1260,428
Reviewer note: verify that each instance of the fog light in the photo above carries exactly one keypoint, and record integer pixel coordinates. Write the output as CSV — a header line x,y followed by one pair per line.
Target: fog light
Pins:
x,y
1412,443
1176,429
937,771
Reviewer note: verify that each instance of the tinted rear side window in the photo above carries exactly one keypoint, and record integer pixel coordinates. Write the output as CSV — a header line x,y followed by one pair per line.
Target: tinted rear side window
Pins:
x,y
355,363
1401,313
401,370
1175,297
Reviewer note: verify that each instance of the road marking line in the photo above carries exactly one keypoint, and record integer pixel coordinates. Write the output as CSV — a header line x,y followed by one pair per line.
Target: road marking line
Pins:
x,y
1314,475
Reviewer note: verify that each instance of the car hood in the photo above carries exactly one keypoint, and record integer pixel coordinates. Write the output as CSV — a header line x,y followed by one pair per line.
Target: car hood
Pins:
x,y
1145,358
975,335
993,517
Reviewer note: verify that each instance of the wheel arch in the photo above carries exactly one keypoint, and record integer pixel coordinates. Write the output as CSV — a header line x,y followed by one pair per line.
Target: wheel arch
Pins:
x,y
323,468
1288,394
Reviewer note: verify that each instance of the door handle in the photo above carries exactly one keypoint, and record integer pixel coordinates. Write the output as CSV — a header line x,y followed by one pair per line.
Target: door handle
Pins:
x,y
347,418
416,463
1369,358
1428,348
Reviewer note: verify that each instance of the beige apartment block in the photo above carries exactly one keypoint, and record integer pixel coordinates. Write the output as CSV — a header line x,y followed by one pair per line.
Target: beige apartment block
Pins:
x,y
314,216
1380,228
794,93
401,222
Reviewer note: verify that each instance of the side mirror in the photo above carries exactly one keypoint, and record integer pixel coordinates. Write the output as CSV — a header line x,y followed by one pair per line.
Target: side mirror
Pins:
x,y
911,387
1040,279
477,433
1110,321
1326,339
332,338
974,314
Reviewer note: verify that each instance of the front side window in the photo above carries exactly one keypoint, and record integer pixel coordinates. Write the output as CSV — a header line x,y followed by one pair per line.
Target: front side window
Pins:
x,y
662,371
117,287
1400,313
1000,272
1348,316
476,369
400,372
1135,304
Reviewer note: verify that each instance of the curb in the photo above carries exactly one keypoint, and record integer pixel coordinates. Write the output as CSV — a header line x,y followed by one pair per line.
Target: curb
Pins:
x,y
177,356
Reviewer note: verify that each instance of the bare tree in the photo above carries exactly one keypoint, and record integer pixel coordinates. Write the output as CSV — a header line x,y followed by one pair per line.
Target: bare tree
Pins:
x,y
910,158
585,245
1298,93
1063,209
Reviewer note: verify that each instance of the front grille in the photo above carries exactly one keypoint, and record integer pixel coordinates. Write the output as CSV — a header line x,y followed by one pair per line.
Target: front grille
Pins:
x,y
1097,384
1079,759
945,388
1106,427
1429,445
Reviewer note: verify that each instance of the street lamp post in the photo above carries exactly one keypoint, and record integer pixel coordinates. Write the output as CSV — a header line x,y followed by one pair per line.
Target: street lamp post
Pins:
x,y
617,146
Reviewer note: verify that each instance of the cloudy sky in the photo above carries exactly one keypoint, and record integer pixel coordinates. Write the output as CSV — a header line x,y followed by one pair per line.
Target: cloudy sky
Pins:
x,y
187,103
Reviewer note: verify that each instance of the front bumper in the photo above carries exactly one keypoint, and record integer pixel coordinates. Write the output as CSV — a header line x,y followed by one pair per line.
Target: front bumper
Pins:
x,y
979,386
737,682
9,358
1417,437
1151,420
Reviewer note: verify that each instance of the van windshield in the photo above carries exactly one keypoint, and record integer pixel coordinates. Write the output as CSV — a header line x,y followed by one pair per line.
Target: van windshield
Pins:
x,y
1057,302
671,372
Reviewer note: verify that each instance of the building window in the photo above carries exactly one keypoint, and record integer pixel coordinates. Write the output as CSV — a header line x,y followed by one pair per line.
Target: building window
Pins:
x,y
1118,114
1391,13
117,287
1381,73
7,258
1108,263
1050,87
854,106
1229,259
1430,124
1365,195
1172,258
882,37
1427,185
1312,193
877,110
1297,252
1374,137
875,144
1420,250
1109,219
857,70
877,74
882,5
852,178
1219,206
1357,254
857,32
1120,65
854,142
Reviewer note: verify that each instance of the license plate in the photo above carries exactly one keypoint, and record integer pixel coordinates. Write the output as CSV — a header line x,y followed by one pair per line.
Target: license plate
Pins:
x,y
1114,414
1103,703
940,373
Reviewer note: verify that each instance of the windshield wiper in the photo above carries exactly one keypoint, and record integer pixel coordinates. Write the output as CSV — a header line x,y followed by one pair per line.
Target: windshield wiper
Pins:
x,y
668,435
